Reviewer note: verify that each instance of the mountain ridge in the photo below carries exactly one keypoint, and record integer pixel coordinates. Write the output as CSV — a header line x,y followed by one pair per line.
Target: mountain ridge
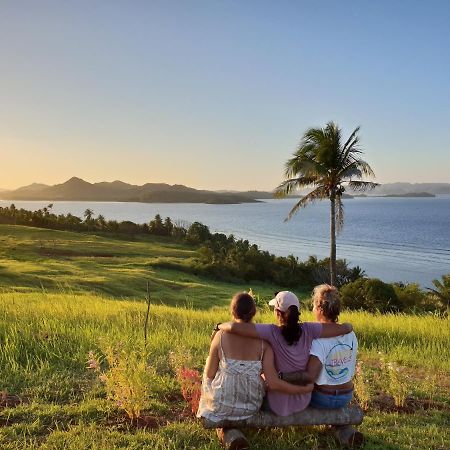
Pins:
x,y
77,189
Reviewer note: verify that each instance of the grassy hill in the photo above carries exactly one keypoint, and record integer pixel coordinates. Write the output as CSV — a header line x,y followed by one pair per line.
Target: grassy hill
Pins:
x,y
66,294
59,261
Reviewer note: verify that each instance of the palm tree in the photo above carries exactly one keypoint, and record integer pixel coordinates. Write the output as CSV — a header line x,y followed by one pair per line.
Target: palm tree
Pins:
x,y
88,213
327,165
442,292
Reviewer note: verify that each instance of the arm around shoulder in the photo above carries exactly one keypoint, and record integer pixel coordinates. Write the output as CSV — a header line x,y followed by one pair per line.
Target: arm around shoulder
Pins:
x,y
335,329
241,328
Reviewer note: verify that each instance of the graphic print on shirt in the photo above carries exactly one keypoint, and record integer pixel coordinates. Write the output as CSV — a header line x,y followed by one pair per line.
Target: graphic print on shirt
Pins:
x,y
337,361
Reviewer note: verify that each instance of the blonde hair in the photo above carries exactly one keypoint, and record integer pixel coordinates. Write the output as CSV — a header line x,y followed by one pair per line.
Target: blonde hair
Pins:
x,y
326,298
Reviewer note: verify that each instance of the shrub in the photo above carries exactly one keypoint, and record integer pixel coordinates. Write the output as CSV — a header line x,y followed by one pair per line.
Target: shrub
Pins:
x,y
412,297
370,294
398,382
363,386
127,378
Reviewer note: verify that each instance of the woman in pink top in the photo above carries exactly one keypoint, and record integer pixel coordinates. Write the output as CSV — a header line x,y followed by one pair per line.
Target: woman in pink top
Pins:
x,y
291,343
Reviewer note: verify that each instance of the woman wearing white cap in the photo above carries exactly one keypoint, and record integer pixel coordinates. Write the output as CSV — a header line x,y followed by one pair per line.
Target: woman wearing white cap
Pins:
x,y
291,343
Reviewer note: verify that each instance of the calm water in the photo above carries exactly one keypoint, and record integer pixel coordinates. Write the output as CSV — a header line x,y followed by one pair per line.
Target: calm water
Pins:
x,y
395,239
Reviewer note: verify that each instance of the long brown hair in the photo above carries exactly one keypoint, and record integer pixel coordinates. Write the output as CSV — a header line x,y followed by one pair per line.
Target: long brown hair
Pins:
x,y
243,306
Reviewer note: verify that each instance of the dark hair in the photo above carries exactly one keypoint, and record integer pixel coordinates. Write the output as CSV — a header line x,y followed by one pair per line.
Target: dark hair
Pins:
x,y
291,330
243,306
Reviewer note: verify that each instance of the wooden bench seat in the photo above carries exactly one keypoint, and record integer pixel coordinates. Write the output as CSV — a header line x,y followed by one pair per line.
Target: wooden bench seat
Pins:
x,y
350,415
341,421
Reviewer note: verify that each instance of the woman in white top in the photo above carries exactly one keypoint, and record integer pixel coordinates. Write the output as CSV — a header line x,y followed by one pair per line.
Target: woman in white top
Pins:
x,y
332,360
232,386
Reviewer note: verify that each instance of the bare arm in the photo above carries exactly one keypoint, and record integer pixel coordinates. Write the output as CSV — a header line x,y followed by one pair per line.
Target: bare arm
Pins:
x,y
272,380
212,363
302,377
335,329
241,328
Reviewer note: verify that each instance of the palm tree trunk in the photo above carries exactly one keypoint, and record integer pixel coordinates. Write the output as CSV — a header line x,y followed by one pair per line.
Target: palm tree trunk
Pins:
x,y
333,241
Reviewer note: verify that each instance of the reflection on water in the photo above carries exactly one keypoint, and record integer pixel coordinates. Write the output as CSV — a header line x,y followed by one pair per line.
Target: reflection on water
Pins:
x,y
405,239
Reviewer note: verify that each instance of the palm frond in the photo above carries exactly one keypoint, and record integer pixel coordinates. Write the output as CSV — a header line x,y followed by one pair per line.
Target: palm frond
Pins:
x,y
350,171
288,186
351,144
317,194
361,186
303,165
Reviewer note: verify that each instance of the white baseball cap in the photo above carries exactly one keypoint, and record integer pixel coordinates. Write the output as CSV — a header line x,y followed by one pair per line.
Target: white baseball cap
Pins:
x,y
283,300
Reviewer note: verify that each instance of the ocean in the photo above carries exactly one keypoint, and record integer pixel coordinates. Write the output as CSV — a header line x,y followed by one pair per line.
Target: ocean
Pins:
x,y
394,239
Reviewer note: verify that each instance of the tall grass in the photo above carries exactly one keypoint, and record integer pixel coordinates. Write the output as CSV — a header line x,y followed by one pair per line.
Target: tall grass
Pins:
x,y
45,340
49,335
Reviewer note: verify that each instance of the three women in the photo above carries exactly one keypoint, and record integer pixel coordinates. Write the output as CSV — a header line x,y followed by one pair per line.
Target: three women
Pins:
x,y
233,356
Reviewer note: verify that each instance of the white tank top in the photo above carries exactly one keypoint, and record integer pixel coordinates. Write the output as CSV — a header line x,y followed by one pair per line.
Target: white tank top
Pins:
x,y
236,392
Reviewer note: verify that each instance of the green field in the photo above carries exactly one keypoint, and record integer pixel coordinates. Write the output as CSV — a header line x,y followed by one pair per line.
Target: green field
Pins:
x,y
66,294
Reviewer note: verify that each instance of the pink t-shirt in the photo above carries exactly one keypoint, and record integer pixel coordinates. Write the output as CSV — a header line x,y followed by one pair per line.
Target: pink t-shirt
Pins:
x,y
289,358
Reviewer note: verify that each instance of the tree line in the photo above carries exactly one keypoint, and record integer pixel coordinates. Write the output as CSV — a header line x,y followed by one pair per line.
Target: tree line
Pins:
x,y
232,259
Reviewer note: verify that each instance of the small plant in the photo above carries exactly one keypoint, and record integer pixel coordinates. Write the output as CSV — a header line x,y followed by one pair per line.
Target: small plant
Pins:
x,y
190,380
260,303
127,379
432,387
191,383
398,383
363,386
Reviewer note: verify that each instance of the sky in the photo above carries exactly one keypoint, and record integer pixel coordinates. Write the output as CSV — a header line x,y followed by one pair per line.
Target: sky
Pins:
x,y
217,94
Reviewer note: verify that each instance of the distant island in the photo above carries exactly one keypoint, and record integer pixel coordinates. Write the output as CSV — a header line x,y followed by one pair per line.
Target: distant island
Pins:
x,y
77,189
411,188
410,194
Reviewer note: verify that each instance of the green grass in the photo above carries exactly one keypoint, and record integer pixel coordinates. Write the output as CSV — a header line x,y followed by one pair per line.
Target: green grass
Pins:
x,y
59,261
46,339
49,323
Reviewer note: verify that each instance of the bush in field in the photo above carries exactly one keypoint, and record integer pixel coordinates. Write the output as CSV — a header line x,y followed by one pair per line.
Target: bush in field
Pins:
x,y
190,380
364,389
412,297
128,227
398,381
370,294
127,379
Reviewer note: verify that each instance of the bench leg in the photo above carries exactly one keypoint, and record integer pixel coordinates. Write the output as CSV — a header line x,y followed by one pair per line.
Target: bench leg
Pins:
x,y
232,438
348,436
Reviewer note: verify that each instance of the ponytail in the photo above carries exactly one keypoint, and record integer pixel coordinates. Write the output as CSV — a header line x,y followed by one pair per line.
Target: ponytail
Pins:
x,y
291,329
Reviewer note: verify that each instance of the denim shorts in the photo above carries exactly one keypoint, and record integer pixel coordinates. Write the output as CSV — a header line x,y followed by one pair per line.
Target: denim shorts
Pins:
x,y
321,400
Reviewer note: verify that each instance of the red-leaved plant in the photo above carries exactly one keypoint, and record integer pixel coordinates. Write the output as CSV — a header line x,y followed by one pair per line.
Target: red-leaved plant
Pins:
x,y
191,382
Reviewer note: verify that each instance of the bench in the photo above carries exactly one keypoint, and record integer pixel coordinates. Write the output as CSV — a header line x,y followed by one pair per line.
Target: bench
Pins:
x,y
341,421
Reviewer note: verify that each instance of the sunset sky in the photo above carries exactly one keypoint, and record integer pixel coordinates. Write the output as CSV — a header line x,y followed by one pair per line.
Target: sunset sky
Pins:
x,y
216,94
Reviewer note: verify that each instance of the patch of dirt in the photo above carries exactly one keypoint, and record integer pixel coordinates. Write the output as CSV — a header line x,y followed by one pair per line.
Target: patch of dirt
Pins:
x,y
384,402
9,400
151,421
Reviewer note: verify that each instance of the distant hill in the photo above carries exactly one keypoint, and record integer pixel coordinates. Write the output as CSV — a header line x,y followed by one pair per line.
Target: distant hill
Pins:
x,y
77,189
411,188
